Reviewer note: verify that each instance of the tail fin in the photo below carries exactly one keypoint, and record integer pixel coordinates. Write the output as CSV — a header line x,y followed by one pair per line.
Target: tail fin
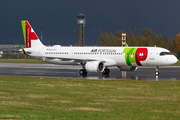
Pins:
x,y
30,38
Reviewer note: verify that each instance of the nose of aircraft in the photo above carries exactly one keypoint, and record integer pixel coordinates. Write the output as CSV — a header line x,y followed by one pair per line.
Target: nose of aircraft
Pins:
x,y
174,59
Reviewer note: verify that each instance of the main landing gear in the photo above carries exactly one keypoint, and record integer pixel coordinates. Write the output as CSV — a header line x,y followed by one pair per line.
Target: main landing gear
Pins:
x,y
106,72
83,72
157,71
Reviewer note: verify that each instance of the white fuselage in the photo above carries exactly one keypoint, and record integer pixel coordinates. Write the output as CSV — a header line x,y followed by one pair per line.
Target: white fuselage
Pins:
x,y
110,56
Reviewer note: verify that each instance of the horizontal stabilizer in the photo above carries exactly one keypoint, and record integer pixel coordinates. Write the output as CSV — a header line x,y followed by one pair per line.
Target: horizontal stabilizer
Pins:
x,y
22,49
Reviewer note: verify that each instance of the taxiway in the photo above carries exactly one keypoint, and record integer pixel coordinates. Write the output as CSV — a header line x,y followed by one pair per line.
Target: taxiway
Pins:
x,y
50,70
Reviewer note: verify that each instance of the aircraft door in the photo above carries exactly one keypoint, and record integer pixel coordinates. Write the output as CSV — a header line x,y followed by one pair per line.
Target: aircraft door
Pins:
x,y
151,54
71,54
39,52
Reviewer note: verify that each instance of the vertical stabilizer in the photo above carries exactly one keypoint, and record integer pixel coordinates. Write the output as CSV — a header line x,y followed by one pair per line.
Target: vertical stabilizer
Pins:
x,y
30,38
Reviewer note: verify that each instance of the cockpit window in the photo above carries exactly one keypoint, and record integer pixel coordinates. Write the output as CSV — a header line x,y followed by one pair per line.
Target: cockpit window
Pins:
x,y
165,53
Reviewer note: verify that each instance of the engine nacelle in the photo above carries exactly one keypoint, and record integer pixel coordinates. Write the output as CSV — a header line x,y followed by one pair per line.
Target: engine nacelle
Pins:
x,y
128,68
94,66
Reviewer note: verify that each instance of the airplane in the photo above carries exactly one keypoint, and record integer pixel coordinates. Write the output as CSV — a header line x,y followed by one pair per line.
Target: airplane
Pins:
x,y
95,59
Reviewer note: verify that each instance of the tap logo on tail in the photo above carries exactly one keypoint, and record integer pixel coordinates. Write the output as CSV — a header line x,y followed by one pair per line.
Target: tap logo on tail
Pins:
x,y
28,33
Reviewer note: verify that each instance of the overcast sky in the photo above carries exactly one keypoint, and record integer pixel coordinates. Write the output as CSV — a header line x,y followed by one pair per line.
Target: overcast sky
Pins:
x,y
57,18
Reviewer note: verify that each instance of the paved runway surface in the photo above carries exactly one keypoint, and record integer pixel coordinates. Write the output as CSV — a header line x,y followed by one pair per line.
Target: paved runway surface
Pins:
x,y
50,70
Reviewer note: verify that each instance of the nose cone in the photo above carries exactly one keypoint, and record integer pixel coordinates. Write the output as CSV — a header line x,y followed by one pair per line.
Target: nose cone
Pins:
x,y
174,60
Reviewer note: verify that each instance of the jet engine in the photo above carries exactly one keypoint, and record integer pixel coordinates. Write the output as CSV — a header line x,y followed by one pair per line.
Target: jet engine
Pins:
x,y
94,66
128,68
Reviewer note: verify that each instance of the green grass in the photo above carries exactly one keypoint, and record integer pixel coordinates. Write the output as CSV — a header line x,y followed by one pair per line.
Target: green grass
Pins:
x,y
64,98
20,61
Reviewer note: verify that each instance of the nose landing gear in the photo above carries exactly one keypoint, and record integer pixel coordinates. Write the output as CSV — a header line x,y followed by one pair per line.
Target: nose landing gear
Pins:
x,y
157,71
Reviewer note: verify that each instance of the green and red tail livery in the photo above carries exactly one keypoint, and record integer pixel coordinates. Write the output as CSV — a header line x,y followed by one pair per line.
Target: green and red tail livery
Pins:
x,y
28,33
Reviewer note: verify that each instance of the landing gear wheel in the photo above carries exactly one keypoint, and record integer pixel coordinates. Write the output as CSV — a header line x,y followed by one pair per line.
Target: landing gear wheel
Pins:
x,y
106,71
83,72
157,71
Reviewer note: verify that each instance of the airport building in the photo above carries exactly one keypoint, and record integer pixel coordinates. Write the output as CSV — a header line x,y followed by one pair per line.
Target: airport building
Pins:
x,y
10,51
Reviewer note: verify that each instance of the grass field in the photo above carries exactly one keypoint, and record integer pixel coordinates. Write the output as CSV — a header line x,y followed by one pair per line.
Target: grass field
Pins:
x,y
66,99
20,61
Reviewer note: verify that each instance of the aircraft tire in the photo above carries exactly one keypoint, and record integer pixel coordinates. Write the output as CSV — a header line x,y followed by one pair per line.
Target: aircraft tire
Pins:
x,y
82,72
157,73
106,71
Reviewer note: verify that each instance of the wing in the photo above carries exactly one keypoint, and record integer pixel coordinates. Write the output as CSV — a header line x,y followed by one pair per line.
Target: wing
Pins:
x,y
107,62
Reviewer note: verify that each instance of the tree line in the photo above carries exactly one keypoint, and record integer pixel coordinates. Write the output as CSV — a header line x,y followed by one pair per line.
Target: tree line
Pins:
x,y
147,37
